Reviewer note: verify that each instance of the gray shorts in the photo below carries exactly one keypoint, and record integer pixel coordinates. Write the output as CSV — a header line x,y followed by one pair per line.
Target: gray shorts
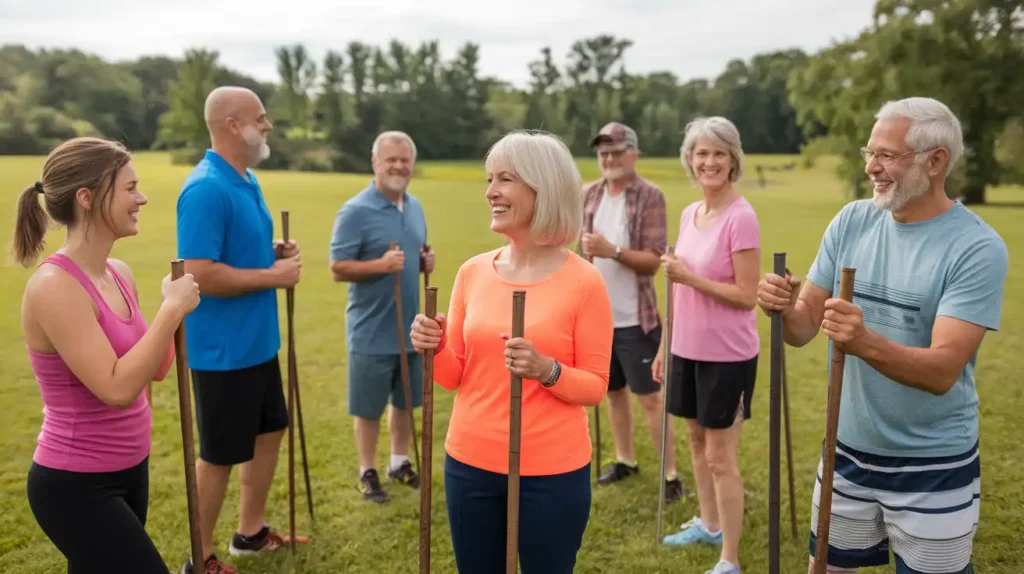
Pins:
x,y
374,378
632,356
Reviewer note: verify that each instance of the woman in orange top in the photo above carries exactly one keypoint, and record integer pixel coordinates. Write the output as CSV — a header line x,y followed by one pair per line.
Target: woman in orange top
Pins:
x,y
535,202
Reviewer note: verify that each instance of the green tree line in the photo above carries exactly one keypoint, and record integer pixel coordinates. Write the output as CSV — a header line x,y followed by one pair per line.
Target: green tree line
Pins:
x,y
326,112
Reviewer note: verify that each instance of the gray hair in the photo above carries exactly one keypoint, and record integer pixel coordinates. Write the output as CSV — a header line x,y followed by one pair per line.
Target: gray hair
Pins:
x,y
722,133
932,125
393,135
544,163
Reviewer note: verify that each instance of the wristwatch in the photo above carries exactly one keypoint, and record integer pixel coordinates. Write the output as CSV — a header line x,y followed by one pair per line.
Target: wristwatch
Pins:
x,y
618,252
556,371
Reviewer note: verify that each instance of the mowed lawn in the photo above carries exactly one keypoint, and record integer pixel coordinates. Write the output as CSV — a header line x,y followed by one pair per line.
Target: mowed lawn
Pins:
x,y
358,537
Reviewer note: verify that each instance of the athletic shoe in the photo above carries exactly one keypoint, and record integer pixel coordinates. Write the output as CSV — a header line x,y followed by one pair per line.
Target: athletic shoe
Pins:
x,y
266,540
405,475
724,567
693,532
211,566
674,490
617,471
370,486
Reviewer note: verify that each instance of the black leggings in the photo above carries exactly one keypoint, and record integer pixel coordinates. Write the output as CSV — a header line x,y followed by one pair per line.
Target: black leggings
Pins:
x,y
97,520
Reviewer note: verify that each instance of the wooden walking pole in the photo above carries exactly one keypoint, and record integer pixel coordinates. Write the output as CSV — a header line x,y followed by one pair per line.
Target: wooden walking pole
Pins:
x,y
293,389
403,363
290,293
789,443
774,427
666,353
835,391
514,433
426,274
427,437
187,442
597,426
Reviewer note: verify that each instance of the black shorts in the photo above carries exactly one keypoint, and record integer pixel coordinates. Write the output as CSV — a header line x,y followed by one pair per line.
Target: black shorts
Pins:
x,y
233,407
632,356
711,392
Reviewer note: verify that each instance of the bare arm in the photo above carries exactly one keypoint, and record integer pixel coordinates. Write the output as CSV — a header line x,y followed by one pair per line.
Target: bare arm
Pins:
x,y
934,369
355,271
801,323
221,280
66,316
643,262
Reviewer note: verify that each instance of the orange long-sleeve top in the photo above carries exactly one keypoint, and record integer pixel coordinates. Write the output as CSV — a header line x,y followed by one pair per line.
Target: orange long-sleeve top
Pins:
x,y
568,317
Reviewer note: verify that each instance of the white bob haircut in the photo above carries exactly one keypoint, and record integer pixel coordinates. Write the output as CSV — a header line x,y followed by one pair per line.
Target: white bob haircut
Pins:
x,y
932,125
543,162
393,135
719,131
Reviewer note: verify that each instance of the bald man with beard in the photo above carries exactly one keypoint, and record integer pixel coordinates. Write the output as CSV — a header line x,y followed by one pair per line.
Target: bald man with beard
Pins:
x,y
226,237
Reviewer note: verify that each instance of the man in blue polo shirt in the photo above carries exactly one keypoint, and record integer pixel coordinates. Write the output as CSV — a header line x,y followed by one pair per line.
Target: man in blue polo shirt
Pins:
x,y
364,228
226,237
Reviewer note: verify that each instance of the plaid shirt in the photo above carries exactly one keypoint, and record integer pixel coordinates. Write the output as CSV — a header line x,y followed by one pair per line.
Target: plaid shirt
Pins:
x,y
645,212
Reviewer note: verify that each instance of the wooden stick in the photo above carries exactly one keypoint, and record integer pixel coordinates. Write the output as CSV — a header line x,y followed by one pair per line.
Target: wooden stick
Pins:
x,y
774,427
427,437
835,390
403,362
514,434
666,381
426,274
290,293
293,383
187,442
789,443
597,425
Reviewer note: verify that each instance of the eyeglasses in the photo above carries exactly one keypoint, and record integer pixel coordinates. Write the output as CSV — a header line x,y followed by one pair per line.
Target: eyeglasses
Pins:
x,y
887,159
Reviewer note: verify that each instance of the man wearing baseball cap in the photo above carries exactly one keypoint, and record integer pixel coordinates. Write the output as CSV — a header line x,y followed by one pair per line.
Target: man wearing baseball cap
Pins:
x,y
624,235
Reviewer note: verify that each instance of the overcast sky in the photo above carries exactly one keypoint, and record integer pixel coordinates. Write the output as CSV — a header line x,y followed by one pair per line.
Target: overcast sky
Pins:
x,y
689,38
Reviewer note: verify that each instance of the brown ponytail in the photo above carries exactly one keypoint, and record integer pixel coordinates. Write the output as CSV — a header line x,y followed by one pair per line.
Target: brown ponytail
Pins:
x,y
85,162
30,227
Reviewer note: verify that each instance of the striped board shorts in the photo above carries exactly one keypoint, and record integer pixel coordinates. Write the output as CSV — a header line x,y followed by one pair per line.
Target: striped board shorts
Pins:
x,y
925,509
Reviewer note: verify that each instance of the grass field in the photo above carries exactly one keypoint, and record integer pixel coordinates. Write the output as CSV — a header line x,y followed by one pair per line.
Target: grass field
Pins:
x,y
356,537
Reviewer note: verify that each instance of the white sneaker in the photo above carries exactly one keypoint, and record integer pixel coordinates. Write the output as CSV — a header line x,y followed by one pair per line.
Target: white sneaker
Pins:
x,y
724,567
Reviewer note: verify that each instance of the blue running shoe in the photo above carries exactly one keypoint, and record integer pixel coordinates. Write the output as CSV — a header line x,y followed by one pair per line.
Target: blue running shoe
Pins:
x,y
724,567
693,532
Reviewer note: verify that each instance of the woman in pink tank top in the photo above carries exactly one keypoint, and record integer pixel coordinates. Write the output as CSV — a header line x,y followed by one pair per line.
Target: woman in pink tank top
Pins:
x,y
715,268
93,356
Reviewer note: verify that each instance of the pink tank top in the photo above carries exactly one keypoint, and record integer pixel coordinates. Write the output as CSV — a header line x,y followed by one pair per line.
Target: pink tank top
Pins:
x,y
80,432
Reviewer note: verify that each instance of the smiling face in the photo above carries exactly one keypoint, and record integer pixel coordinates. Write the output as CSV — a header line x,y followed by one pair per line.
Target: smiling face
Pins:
x,y
117,210
393,166
511,201
250,125
897,180
711,164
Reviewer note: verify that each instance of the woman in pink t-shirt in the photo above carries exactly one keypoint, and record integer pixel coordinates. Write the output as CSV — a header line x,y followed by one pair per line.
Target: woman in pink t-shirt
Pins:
x,y
93,357
715,269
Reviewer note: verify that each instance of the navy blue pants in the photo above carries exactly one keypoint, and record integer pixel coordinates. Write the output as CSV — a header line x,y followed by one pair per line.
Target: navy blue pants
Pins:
x,y
553,514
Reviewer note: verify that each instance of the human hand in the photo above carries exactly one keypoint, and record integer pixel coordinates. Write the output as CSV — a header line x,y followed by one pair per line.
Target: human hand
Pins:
x,y
181,294
776,293
843,323
521,358
427,259
596,245
658,367
428,334
286,271
675,269
284,250
392,261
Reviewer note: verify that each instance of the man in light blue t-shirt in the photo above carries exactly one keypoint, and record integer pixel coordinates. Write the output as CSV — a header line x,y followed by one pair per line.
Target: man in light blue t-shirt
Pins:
x,y
364,228
929,284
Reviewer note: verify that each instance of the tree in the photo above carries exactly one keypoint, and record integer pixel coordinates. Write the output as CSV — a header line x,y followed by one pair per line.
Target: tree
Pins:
x,y
184,124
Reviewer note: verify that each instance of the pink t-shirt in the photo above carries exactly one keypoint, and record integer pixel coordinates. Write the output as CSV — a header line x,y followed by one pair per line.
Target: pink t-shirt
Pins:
x,y
704,329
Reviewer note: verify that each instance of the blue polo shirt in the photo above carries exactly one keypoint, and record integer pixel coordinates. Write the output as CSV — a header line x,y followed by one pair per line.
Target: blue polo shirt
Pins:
x,y
222,217
363,228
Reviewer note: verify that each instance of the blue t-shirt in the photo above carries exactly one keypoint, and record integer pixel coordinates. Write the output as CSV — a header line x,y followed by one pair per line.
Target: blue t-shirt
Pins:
x,y
222,217
907,274
363,229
